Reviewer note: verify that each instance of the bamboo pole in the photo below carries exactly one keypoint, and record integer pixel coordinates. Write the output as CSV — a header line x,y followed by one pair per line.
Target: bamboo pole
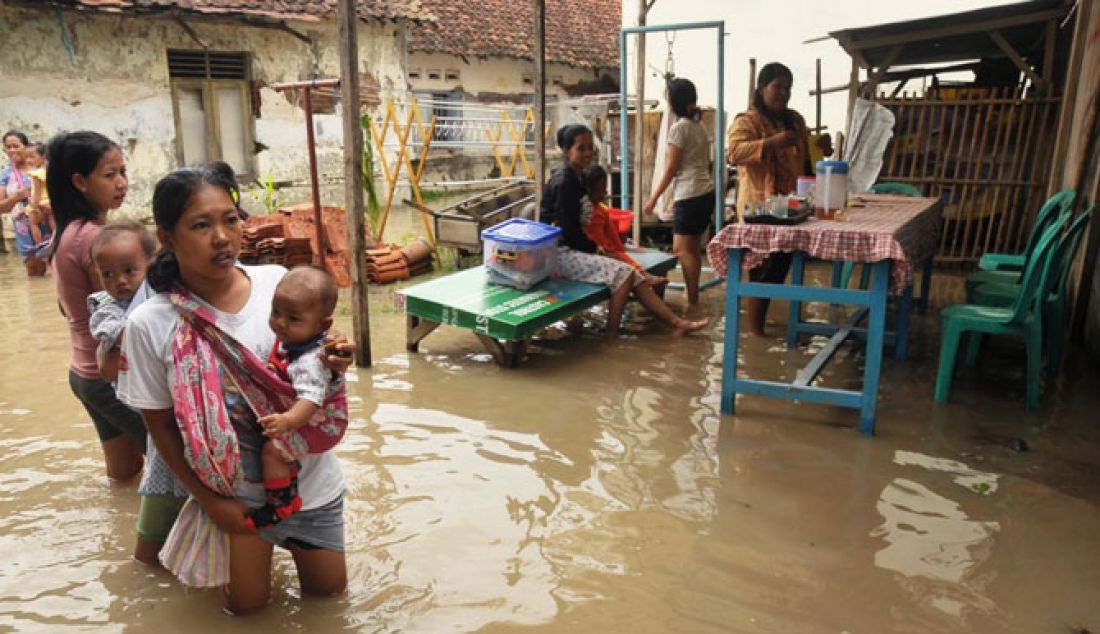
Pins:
x,y
961,230
945,160
922,140
540,100
353,179
976,160
1024,214
639,129
991,198
1012,147
817,96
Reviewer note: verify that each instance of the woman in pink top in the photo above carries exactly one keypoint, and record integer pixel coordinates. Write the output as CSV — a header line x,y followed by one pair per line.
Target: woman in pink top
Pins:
x,y
86,179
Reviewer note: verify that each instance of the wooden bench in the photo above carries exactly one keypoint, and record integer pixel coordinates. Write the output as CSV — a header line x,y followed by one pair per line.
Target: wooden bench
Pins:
x,y
504,318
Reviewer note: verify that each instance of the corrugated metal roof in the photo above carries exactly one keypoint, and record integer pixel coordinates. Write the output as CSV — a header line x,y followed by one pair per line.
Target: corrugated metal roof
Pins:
x,y
580,33
953,37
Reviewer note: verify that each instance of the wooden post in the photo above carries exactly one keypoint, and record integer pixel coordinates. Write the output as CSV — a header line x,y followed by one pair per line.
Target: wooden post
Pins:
x,y
817,99
752,81
353,178
314,187
639,129
853,94
540,100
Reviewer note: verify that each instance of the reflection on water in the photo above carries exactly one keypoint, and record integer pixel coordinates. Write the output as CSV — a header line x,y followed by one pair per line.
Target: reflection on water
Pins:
x,y
594,489
931,540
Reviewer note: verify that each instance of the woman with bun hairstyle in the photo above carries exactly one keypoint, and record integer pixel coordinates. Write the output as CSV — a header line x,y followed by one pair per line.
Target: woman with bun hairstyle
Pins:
x,y
565,203
769,144
181,367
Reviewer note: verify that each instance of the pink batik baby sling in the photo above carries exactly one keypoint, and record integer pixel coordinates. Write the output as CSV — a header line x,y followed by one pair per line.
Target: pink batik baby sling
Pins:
x,y
196,551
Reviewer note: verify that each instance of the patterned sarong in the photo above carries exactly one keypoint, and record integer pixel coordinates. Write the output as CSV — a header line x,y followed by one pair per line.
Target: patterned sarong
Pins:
x,y
196,551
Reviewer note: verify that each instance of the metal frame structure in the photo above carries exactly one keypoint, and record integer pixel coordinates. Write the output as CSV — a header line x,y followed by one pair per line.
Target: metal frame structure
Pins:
x,y
720,123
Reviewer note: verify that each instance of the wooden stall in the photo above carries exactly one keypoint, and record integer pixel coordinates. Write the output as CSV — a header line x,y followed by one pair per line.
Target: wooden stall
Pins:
x,y
984,147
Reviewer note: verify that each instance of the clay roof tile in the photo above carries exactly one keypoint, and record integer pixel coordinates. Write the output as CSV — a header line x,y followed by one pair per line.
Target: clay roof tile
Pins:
x,y
579,33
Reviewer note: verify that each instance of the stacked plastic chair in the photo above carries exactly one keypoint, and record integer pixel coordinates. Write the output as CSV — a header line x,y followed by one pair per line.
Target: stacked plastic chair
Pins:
x,y
1022,318
1054,300
1007,267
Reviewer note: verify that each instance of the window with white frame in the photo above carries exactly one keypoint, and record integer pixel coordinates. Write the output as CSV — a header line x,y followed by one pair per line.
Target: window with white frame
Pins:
x,y
211,98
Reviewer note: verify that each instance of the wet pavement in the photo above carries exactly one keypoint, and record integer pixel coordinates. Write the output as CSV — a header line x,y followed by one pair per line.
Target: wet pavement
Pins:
x,y
597,489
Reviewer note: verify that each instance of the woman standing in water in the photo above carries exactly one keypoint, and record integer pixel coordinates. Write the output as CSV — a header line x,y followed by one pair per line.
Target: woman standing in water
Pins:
x,y
15,193
769,144
688,170
164,354
86,179
565,203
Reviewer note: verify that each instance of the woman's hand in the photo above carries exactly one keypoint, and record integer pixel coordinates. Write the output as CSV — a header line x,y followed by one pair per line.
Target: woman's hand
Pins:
x,y
782,139
649,206
339,352
229,514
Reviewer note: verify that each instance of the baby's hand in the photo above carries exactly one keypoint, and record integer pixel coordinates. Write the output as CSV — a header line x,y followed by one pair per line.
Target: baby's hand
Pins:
x,y
275,425
338,353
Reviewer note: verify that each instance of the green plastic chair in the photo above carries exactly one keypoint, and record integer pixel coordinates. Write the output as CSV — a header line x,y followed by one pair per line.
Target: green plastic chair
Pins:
x,y
900,189
1054,302
1006,267
1021,319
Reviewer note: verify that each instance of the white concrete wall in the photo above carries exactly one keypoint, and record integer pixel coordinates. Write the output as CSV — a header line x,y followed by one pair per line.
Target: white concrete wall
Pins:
x,y
493,76
117,84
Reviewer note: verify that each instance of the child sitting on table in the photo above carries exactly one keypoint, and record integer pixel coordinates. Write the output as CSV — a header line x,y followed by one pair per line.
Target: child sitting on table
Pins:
x,y
601,228
120,253
301,314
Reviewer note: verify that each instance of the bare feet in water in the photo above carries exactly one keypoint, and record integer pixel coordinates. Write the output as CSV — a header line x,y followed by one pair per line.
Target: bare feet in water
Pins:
x,y
685,327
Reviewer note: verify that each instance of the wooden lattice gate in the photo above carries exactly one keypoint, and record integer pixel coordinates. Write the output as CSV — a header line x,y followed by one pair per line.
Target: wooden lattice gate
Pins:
x,y
985,151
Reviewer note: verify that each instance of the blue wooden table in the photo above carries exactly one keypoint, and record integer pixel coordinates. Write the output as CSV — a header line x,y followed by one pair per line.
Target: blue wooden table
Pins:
x,y
906,231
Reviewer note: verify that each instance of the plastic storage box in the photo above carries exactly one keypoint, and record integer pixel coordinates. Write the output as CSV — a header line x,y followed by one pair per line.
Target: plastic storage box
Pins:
x,y
520,253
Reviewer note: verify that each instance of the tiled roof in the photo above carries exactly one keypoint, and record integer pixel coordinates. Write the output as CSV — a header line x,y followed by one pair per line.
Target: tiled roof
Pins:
x,y
310,10
581,33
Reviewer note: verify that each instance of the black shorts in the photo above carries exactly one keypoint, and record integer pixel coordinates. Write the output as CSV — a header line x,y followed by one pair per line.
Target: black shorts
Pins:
x,y
693,215
773,269
110,416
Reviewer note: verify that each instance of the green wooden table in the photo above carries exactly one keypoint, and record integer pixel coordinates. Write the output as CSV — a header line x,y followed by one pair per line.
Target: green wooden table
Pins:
x,y
504,318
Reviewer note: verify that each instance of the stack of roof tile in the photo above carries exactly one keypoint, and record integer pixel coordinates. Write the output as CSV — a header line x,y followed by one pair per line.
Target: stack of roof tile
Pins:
x,y
390,263
256,232
288,237
289,252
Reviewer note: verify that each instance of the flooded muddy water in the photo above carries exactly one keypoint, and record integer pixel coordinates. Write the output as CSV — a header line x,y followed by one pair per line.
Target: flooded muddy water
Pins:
x,y
596,488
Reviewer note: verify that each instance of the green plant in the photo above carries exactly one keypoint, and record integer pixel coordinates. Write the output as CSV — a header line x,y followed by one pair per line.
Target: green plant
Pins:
x,y
432,195
268,196
374,209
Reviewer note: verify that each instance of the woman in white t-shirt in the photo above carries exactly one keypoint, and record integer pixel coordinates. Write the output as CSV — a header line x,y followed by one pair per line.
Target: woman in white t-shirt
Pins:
x,y
688,170
199,226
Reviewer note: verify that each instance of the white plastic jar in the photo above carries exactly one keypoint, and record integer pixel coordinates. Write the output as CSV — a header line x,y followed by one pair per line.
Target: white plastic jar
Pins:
x,y
831,189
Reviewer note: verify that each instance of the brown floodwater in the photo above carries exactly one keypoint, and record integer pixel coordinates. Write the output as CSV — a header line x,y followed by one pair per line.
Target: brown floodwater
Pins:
x,y
597,488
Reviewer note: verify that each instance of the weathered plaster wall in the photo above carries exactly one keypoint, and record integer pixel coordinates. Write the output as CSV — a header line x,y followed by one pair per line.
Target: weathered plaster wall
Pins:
x,y
117,83
494,76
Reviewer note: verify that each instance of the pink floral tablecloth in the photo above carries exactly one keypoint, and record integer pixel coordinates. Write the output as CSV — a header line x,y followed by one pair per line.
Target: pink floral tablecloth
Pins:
x,y
901,229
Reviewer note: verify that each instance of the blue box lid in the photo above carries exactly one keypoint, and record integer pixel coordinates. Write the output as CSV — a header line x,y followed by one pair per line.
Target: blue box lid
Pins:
x,y
835,167
521,231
